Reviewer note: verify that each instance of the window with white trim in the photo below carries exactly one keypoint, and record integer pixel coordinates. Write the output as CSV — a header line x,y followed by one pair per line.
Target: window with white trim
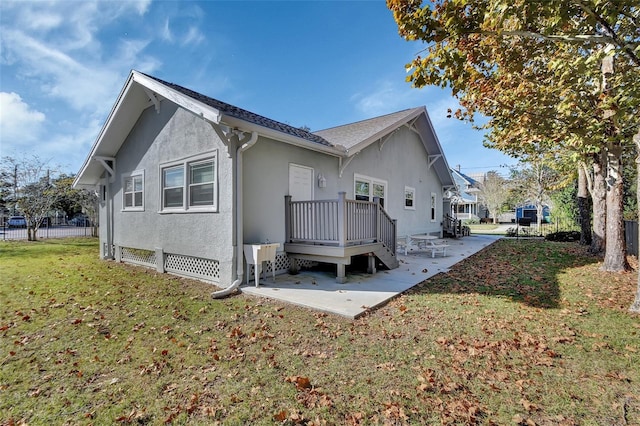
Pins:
x,y
409,198
366,188
201,183
190,185
133,191
433,206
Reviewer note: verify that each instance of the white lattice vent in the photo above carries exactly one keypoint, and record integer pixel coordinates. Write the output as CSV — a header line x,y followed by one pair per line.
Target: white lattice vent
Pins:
x,y
142,257
193,266
282,265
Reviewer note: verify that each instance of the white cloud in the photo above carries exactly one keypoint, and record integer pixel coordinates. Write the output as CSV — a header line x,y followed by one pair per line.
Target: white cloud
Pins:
x,y
19,123
193,36
166,34
56,53
386,97
182,26
62,76
43,22
438,109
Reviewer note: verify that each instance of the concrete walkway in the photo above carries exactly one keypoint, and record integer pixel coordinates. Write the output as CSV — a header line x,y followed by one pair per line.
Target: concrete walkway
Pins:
x,y
319,289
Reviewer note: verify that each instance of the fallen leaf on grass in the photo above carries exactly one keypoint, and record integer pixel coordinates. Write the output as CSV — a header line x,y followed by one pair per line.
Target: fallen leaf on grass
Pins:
x,y
523,421
281,416
528,405
300,382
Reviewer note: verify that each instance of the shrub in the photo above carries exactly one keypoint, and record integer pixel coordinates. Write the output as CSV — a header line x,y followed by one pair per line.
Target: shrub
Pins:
x,y
563,236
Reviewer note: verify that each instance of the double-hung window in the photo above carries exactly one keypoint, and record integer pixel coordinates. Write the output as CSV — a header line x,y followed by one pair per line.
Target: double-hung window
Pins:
x,y
409,198
133,191
366,188
433,206
190,185
201,183
173,187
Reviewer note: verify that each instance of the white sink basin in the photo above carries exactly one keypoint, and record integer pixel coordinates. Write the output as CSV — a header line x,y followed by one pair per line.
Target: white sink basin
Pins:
x,y
256,253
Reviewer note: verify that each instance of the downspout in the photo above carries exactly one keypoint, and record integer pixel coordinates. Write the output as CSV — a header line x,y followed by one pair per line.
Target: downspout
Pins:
x,y
239,220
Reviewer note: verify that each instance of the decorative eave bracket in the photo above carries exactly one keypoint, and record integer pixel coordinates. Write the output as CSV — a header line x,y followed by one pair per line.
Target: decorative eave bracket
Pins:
x,y
227,135
433,159
153,98
342,165
385,139
411,126
109,164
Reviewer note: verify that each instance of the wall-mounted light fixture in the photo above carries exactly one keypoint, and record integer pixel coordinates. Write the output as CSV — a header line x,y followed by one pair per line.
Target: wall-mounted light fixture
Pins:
x,y
322,182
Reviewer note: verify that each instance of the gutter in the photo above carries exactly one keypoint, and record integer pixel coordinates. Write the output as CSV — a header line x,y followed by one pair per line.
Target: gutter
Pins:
x,y
239,220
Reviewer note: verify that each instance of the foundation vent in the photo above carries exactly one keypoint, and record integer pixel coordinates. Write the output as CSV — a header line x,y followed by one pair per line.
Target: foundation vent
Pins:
x,y
195,267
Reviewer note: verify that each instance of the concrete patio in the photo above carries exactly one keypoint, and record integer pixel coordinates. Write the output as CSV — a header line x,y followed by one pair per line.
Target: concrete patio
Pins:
x,y
319,290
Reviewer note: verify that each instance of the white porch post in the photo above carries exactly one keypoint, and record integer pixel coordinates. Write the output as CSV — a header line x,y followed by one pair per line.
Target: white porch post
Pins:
x,y
342,219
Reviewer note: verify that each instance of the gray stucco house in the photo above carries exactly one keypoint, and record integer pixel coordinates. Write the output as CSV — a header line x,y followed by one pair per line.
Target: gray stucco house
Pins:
x,y
185,180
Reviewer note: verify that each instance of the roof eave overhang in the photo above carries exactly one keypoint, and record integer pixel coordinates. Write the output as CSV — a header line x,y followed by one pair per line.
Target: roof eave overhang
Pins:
x,y
196,107
234,122
441,165
355,149
79,180
90,172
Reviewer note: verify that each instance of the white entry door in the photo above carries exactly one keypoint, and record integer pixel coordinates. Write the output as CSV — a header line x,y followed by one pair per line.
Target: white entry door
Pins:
x,y
300,182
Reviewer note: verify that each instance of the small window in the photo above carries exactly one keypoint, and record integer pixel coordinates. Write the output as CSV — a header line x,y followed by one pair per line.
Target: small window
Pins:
x,y
433,206
133,191
190,184
378,191
409,198
362,190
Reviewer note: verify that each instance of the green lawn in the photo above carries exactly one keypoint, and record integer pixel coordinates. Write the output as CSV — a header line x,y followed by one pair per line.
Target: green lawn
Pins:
x,y
524,332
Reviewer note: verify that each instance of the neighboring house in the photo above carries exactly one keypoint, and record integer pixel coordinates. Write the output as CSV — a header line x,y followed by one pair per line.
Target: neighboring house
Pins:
x,y
465,204
530,211
185,180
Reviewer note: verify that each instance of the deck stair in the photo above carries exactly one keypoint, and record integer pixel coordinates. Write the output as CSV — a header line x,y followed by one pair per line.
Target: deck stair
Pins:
x,y
452,227
387,257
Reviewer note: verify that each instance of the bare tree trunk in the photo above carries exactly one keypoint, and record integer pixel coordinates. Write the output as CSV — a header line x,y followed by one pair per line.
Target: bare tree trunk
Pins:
x,y
635,306
539,213
598,198
583,207
615,255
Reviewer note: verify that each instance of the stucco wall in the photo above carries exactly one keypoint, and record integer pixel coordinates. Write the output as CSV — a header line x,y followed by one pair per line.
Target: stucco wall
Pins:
x,y
170,135
266,182
401,162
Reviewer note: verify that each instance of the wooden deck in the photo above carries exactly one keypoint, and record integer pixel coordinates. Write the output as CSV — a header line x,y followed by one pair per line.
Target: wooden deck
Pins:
x,y
332,231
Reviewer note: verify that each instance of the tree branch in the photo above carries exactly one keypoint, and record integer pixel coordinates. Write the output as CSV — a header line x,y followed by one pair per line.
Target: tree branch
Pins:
x,y
611,33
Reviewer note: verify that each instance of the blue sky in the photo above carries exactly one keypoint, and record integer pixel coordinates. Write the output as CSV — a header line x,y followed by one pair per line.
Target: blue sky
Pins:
x,y
306,63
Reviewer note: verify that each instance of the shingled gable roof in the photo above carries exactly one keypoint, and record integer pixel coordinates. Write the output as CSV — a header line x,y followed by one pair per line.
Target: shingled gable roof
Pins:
x,y
357,136
141,91
242,114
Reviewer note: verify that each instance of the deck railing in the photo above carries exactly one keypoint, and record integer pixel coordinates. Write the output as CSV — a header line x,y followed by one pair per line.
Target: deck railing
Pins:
x,y
338,222
452,225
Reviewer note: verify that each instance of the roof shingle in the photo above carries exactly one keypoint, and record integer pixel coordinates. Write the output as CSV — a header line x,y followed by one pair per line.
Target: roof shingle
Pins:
x,y
243,114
